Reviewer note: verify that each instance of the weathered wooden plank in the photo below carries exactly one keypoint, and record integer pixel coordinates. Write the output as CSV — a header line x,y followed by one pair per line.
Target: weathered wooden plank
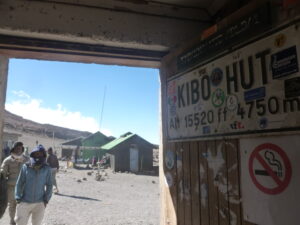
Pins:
x,y
243,221
195,191
4,63
179,184
170,182
248,223
212,187
187,184
221,180
234,197
203,172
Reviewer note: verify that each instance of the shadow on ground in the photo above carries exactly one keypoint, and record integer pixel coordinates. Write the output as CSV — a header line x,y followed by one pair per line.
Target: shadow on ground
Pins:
x,y
78,197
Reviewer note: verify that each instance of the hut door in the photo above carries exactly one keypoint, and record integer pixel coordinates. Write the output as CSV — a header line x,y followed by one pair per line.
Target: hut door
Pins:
x,y
134,159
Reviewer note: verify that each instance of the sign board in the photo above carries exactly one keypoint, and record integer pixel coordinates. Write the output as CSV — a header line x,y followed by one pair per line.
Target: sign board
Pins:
x,y
250,90
270,181
255,22
271,161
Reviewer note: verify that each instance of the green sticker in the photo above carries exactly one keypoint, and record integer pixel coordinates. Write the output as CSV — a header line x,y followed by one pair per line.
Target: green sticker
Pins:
x,y
218,97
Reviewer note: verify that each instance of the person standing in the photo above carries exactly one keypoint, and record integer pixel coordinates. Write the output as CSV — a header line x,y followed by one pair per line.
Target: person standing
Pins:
x,y
10,169
6,152
33,188
54,164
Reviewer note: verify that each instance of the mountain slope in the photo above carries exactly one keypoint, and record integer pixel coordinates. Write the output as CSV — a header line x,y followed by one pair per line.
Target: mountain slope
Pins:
x,y
13,122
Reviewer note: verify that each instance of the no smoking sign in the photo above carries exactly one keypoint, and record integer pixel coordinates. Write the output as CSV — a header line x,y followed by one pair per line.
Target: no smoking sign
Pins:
x,y
270,168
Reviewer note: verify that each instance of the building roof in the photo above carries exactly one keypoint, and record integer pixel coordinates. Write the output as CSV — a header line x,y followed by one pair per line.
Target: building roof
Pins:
x,y
96,139
93,140
75,141
117,141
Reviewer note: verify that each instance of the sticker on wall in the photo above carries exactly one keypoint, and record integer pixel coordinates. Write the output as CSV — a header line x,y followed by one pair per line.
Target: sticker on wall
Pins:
x,y
170,159
254,94
284,63
206,130
218,97
263,123
280,40
169,179
216,76
270,168
270,188
231,102
292,87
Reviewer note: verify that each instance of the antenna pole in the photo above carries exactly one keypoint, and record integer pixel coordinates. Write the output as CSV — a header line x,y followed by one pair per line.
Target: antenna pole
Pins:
x,y
101,115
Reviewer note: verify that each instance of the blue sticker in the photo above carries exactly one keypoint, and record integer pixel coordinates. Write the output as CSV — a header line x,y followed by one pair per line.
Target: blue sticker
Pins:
x,y
216,76
205,154
284,63
263,123
254,94
206,130
172,110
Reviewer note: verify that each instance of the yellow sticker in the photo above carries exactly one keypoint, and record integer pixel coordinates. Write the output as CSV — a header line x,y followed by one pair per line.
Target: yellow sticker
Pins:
x,y
279,40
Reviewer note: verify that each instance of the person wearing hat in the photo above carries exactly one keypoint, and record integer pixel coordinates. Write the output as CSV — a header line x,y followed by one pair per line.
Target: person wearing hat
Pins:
x,y
10,169
33,188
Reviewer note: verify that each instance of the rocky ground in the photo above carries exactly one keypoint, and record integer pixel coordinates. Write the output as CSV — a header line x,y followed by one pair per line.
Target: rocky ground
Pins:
x,y
117,199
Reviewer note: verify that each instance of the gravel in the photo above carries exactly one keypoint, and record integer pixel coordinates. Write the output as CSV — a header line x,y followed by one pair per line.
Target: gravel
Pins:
x,y
117,199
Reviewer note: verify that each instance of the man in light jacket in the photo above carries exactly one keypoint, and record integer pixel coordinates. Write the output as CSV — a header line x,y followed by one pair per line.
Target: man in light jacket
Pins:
x,y
10,169
33,188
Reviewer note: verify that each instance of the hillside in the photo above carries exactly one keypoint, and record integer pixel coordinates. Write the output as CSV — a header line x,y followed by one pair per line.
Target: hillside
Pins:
x,y
16,123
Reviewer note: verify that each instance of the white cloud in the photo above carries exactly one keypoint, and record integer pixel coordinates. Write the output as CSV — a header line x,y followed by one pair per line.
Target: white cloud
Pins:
x,y
32,109
21,94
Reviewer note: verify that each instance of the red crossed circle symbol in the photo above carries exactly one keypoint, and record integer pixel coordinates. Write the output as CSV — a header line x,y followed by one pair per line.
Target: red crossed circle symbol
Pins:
x,y
281,183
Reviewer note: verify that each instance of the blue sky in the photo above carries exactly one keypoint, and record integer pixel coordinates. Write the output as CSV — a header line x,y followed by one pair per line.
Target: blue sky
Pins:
x,y
71,95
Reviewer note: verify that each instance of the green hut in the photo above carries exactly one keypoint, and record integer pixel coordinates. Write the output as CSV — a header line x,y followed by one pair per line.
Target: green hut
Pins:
x,y
90,146
130,152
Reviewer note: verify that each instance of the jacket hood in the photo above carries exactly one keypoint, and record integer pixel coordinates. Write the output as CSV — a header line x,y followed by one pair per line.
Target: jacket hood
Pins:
x,y
39,148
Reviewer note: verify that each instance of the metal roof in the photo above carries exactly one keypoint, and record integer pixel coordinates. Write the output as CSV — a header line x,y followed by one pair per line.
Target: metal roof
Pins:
x,y
116,142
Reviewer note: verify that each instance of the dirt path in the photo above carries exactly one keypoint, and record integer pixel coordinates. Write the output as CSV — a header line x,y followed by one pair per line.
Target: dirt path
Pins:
x,y
121,199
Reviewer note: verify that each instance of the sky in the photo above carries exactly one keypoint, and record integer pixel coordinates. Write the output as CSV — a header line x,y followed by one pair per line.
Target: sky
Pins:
x,y
80,96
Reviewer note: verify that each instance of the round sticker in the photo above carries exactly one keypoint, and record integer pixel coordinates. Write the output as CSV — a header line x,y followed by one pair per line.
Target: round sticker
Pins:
x,y
169,159
218,97
216,76
231,102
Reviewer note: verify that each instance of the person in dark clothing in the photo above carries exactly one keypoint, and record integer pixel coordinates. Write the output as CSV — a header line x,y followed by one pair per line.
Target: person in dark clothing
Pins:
x,y
6,151
54,164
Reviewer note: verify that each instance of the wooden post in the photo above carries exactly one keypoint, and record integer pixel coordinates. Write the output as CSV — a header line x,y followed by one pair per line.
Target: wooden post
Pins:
x,y
3,85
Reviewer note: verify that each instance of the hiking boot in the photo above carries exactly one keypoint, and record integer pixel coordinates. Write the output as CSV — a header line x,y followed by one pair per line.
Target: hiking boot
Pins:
x,y
55,190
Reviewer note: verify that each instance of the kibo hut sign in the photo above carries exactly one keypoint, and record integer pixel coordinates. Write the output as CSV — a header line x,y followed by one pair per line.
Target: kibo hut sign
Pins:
x,y
254,89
